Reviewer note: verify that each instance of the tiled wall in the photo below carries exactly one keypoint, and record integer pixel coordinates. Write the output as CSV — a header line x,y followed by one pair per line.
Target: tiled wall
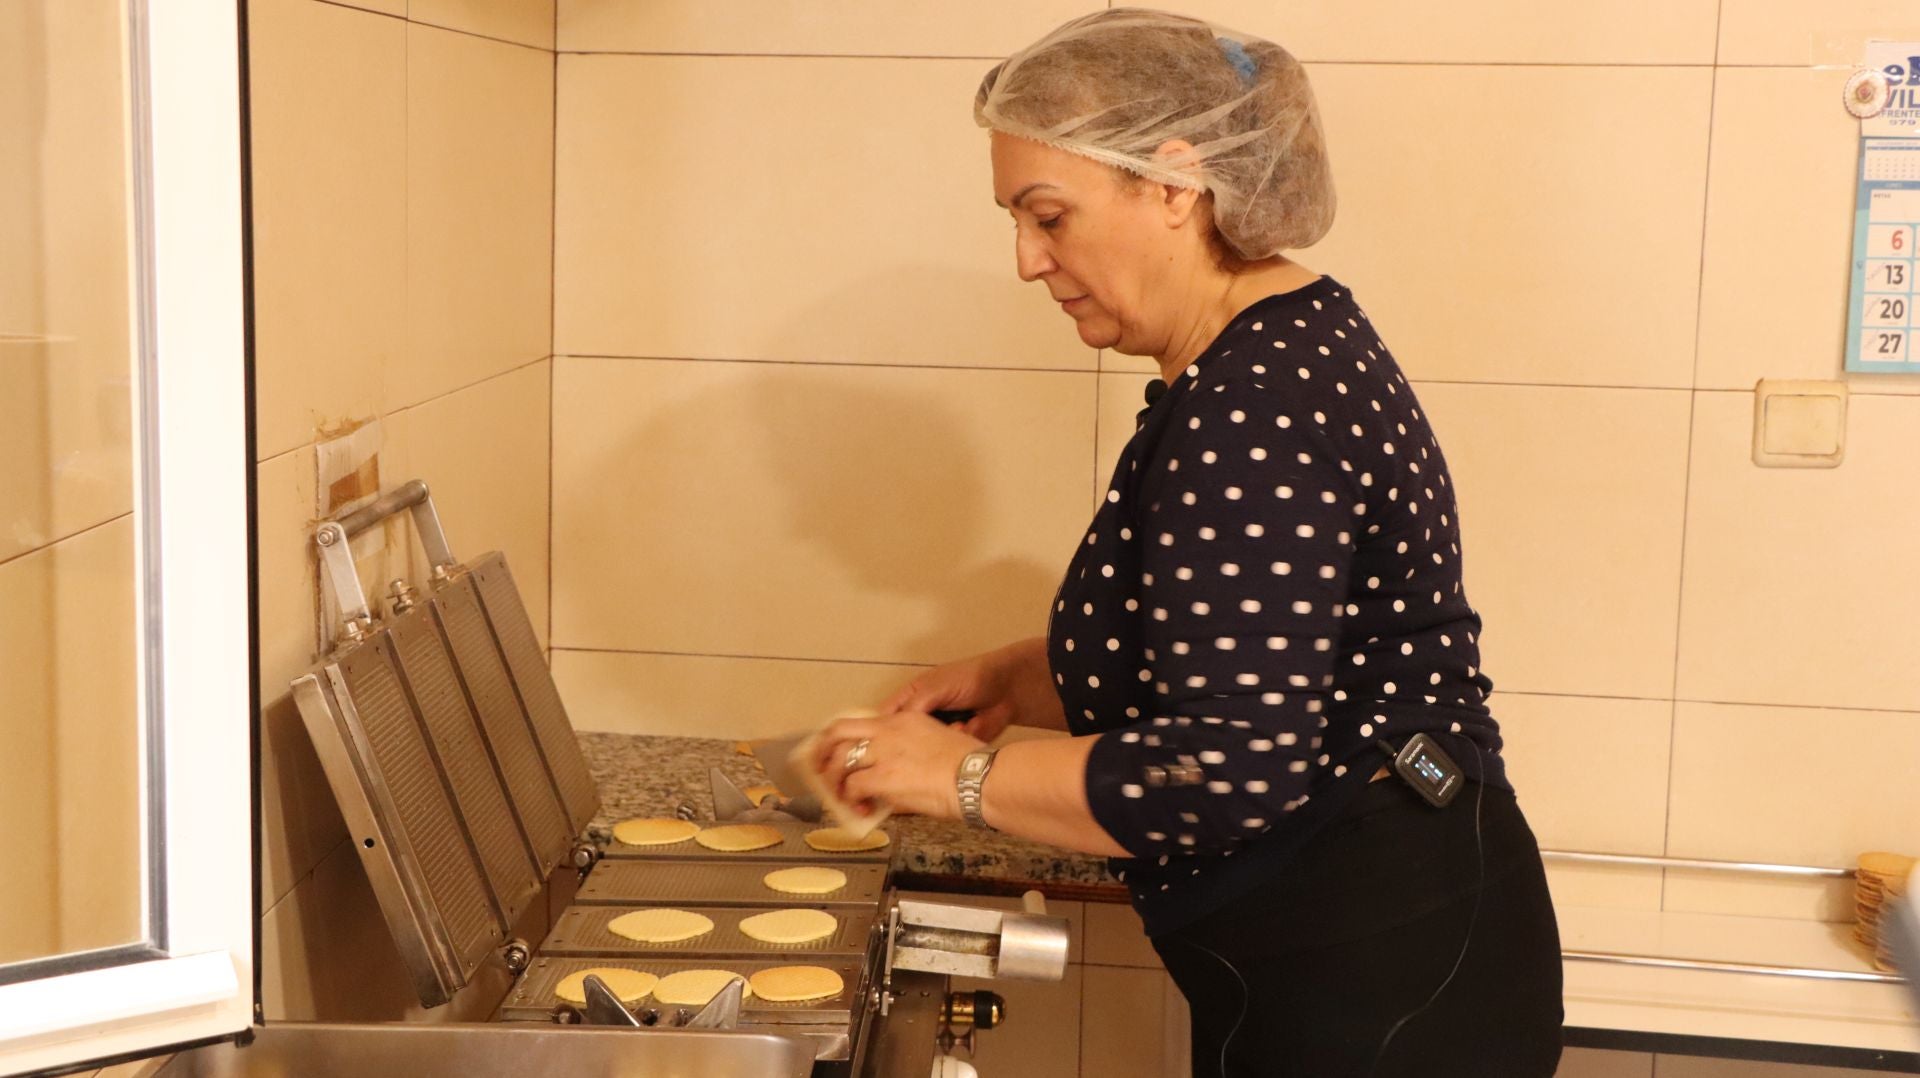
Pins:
x,y
69,778
810,431
403,200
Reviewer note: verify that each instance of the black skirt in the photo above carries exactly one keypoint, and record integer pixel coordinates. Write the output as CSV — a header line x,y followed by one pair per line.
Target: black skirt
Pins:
x,y
1331,968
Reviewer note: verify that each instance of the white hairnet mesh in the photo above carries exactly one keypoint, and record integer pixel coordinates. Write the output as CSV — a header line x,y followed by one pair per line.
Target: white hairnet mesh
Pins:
x,y
1117,85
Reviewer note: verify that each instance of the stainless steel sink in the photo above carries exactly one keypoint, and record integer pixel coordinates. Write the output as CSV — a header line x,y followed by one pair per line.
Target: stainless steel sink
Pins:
x,y
475,1050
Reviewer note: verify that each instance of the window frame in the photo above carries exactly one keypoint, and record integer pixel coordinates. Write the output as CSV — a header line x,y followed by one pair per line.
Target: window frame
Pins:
x,y
192,978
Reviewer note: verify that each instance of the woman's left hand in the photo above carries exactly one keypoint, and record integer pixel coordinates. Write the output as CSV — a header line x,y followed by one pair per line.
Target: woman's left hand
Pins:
x,y
910,762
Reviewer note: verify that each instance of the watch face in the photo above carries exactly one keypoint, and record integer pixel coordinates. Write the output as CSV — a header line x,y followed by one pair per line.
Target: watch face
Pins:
x,y
973,765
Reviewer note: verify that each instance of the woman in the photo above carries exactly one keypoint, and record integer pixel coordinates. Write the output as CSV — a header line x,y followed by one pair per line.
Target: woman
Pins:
x,y
1267,605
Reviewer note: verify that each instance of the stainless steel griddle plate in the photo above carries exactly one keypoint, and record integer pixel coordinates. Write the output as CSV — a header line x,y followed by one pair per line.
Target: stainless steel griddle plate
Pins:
x,y
793,847
707,883
508,616
582,930
532,997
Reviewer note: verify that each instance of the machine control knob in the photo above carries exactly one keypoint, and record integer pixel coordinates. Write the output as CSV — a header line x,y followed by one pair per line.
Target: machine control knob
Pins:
x,y
978,1010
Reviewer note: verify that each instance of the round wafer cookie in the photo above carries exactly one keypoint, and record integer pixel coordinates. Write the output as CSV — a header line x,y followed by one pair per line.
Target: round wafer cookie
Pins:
x,y
805,880
789,926
1884,864
788,984
757,794
738,837
660,925
654,831
836,840
626,984
695,987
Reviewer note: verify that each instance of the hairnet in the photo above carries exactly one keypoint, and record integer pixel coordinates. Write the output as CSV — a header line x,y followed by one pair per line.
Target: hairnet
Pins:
x,y
1117,85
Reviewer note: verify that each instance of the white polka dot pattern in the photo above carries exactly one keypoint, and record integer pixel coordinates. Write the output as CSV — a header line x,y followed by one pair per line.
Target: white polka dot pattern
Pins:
x,y
1246,701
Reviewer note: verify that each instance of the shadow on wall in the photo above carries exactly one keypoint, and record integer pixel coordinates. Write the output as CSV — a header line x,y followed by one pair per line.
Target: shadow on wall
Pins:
x,y
886,473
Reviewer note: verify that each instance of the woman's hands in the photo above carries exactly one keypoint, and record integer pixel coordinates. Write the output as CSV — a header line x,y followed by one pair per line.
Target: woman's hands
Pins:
x,y
909,762
1000,687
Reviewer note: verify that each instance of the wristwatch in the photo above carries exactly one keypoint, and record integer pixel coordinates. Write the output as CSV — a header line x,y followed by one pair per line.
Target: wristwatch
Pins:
x,y
973,771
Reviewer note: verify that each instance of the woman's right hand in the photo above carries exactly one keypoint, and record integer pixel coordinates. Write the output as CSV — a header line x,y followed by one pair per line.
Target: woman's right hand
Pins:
x,y
988,684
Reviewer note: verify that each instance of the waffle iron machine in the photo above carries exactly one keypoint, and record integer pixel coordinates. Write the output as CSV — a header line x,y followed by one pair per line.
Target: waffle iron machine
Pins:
x,y
445,742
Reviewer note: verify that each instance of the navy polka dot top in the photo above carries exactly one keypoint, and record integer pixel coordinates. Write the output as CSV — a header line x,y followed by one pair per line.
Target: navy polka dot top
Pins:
x,y
1271,587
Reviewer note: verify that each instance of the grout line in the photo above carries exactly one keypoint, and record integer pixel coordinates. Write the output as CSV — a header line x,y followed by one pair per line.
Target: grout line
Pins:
x,y
724,655
1686,463
1122,371
57,540
844,363
515,369
306,876
421,22
659,653
553,302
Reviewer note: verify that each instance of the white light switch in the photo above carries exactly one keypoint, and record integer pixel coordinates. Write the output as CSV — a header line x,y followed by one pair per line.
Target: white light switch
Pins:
x,y
1799,424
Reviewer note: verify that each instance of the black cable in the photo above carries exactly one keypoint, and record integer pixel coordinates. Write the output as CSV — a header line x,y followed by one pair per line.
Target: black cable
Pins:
x,y
1479,892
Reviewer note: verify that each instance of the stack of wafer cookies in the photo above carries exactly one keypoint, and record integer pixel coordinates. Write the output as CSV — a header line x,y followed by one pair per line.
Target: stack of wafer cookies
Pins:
x,y
1881,877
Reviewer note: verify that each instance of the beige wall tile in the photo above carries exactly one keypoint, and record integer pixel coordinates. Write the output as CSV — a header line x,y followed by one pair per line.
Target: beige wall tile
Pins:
x,y
29,890
325,953
1750,895
1826,808
1597,1063
1486,250
811,511
1115,938
1702,1067
92,644
712,696
140,1068
289,568
1124,1023
1479,31
384,7
1041,1038
1122,396
851,27
529,22
1795,591
329,213
483,451
810,210
299,819
72,771
1779,239
1795,33
65,357
479,221
1627,887
1591,774
1574,599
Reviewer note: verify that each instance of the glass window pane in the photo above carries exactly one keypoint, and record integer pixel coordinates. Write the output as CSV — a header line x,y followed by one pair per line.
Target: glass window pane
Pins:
x,y
70,764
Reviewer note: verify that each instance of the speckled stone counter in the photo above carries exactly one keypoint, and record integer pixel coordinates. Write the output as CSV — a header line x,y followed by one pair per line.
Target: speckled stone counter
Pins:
x,y
645,775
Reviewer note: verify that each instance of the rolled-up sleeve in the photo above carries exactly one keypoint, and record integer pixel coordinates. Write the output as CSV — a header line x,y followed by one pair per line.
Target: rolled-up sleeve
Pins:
x,y
1246,514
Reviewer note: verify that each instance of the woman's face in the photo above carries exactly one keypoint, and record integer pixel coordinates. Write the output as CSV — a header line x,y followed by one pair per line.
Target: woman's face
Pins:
x,y
1101,245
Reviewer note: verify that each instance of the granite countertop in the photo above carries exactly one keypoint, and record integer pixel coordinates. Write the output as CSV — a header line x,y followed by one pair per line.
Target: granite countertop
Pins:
x,y
648,775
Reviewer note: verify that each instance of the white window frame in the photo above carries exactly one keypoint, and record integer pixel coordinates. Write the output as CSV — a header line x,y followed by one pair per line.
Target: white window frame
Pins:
x,y
192,977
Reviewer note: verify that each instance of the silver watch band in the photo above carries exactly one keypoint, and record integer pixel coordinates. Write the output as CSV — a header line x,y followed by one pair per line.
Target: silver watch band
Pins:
x,y
968,779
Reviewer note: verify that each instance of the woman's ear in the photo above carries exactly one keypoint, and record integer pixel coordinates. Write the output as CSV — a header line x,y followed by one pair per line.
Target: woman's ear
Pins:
x,y
1177,155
